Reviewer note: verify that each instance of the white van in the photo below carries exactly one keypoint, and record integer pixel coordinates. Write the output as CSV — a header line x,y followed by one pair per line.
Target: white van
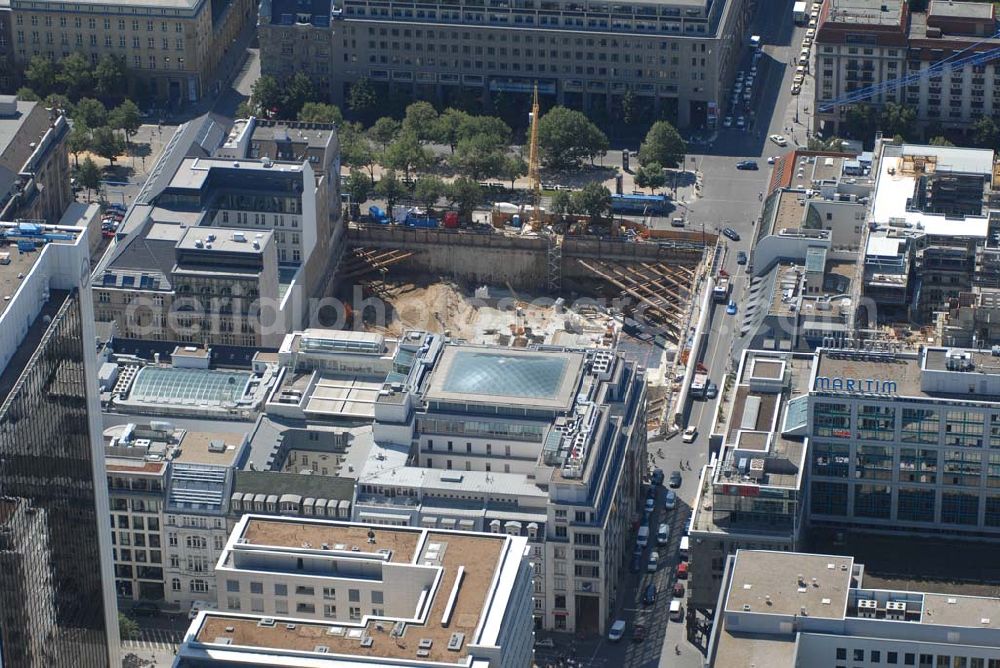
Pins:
x,y
676,611
685,545
643,539
663,534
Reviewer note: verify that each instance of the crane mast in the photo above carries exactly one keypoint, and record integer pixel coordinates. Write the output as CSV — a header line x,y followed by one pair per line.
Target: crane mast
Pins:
x,y
534,178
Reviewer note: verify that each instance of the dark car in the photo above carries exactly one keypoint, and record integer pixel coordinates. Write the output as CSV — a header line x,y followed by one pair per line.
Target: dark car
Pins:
x,y
649,596
145,609
678,591
636,564
638,633
658,477
730,233
675,479
747,164
741,257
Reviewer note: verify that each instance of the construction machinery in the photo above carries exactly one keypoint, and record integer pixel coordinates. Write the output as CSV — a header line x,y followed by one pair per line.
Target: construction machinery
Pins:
x,y
534,177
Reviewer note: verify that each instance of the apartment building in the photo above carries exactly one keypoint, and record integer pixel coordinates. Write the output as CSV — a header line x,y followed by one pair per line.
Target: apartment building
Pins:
x,y
546,443
334,594
785,609
676,59
864,43
170,490
174,47
57,604
232,235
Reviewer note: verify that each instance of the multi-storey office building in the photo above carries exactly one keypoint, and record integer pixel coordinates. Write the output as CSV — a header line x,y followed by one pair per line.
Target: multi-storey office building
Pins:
x,y
545,443
175,47
302,591
784,609
229,238
863,43
57,605
906,441
675,58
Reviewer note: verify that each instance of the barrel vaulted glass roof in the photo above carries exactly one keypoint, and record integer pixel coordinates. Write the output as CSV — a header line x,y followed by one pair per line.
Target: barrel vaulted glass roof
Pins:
x,y
188,386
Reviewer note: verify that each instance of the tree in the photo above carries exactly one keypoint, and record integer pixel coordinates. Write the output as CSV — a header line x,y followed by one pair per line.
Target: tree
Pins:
x,y
566,137
91,113
465,194
384,131
897,119
127,628
421,119
244,109
319,112
78,141
629,107
986,132
356,149
446,127
89,175
361,98
41,74
940,141
650,175
513,168
109,75
407,153
298,90
105,143
75,76
663,144
428,190
391,189
479,157
25,94
127,118
594,200
489,126
265,95
58,101
358,186
562,203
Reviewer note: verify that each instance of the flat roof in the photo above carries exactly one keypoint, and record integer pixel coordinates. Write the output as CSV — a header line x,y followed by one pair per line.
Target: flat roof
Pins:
x,y
467,561
168,385
202,447
17,264
791,210
506,376
224,239
935,359
769,582
965,10
865,12
969,611
349,396
904,370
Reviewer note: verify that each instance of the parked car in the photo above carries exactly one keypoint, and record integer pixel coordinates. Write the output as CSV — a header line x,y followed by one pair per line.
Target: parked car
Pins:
x,y
747,164
145,609
675,479
649,596
741,257
670,500
676,611
678,591
711,391
779,140
690,434
731,308
741,122
636,564
727,122
682,570
730,233
650,503
617,630
545,643
638,633
653,563
658,476
663,534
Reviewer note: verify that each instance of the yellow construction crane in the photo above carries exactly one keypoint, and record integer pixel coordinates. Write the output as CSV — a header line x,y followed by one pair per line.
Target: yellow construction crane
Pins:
x,y
534,178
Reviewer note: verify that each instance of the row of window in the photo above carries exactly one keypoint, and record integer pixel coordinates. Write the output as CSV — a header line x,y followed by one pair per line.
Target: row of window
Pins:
x,y
92,40
912,504
48,21
923,660
964,428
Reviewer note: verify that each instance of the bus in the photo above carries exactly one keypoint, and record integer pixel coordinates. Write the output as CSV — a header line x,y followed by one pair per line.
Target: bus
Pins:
x,y
640,204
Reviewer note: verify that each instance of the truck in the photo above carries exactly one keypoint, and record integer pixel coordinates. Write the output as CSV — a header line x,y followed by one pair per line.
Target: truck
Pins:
x,y
698,385
755,42
420,219
378,216
799,13
720,293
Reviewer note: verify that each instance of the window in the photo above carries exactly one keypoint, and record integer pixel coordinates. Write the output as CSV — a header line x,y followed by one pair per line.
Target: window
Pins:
x,y
175,584
256,587
876,656
859,655
354,595
257,605
329,610
233,586
306,608
892,657
233,603
377,598
281,607
281,590
355,613
302,590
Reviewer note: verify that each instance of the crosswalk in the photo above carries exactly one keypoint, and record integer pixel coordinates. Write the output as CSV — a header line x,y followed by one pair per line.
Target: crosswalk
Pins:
x,y
154,639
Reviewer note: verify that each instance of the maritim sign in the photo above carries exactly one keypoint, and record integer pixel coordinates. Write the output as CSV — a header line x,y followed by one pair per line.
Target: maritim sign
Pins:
x,y
855,385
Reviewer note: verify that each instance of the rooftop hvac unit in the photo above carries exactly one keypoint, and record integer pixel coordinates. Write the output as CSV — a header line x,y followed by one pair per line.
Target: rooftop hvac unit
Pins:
x,y
895,610
867,608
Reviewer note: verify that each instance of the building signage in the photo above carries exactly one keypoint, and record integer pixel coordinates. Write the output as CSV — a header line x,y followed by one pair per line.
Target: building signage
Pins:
x,y
858,385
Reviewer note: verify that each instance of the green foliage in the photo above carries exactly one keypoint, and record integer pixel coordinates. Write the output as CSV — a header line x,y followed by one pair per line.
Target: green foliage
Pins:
x,y
428,190
78,140
488,126
986,133
593,199
513,168
465,194
75,76
562,203
446,127
940,141
566,137
25,94
407,153
361,98
651,175
319,112
356,149
479,157
58,101
127,628
663,144
421,119
105,143
266,95
298,91
91,113
391,189
41,74
89,175
110,75
358,186
898,119
384,131
127,118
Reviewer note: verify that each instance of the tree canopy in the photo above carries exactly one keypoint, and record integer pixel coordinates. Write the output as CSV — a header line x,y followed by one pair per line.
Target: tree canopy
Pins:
x,y
650,175
566,137
594,199
319,112
391,189
663,144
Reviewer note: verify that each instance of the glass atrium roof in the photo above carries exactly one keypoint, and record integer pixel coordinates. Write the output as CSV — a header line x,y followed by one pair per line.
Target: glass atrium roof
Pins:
x,y
499,375
188,386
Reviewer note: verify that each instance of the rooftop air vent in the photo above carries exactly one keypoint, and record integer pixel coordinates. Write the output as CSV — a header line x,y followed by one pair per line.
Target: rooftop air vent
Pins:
x,y
455,641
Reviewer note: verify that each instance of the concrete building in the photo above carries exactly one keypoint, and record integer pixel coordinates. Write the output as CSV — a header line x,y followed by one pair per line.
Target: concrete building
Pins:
x,y
786,609
34,163
170,491
676,58
751,494
301,591
57,604
546,443
174,47
864,43
232,235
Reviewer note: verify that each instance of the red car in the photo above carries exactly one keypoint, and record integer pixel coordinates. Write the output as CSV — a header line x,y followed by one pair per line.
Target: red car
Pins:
x,y
638,633
678,591
682,570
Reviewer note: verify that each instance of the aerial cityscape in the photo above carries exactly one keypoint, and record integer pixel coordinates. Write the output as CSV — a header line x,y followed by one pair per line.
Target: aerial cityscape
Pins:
x,y
500,334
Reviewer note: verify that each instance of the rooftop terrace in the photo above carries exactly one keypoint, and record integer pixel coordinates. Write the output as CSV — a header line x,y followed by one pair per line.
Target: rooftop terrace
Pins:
x,y
785,583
